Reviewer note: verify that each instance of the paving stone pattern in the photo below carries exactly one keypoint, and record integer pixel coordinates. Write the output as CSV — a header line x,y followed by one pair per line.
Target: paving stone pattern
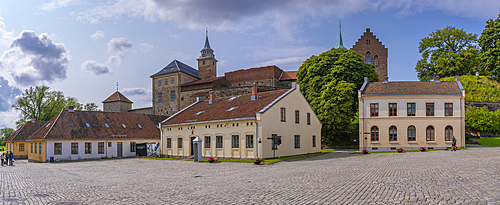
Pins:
x,y
440,177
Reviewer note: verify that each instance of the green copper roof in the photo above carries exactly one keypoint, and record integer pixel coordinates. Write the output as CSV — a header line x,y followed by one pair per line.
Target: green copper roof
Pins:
x,y
341,44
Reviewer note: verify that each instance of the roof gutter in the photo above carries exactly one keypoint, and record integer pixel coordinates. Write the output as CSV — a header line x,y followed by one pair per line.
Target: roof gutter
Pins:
x,y
211,121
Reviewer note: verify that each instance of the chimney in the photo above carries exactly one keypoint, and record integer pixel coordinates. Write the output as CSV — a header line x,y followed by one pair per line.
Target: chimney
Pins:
x,y
211,99
386,79
254,93
33,120
71,108
437,79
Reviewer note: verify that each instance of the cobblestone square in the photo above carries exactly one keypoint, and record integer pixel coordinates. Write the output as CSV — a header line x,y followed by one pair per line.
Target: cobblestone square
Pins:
x,y
439,177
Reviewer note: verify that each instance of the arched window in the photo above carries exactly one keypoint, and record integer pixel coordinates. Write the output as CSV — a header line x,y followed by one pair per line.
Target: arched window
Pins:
x,y
448,133
430,133
368,57
412,133
375,61
374,133
393,133
172,95
160,97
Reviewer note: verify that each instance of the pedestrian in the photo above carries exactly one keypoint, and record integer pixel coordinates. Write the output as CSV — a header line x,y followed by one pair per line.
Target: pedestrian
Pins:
x,y
454,144
2,158
11,158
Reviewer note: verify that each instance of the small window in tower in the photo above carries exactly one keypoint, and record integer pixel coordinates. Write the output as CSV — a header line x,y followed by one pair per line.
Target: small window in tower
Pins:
x,y
375,61
368,57
203,62
213,63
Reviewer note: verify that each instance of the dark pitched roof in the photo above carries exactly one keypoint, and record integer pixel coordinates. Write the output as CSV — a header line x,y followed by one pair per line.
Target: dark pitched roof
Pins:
x,y
26,130
177,66
289,75
72,126
117,96
218,110
207,44
411,87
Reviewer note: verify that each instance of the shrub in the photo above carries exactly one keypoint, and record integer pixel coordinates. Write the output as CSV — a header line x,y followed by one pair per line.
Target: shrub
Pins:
x,y
400,150
422,149
365,151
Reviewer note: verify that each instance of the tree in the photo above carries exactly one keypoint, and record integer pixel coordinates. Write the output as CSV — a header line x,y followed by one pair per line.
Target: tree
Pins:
x,y
4,133
90,107
489,42
330,82
447,52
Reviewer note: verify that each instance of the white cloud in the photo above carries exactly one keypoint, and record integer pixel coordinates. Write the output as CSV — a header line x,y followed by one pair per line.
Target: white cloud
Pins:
x,y
97,35
34,59
9,118
292,63
96,68
140,96
136,91
6,37
55,4
119,45
144,47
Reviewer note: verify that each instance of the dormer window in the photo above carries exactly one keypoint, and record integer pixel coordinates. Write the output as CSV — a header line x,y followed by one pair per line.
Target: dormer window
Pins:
x,y
87,124
123,125
47,125
231,109
106,125
233,98
140,127
199,112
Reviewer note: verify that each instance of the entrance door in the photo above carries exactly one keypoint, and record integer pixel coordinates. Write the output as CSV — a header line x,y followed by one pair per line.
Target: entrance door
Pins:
x,y
191,152
119,149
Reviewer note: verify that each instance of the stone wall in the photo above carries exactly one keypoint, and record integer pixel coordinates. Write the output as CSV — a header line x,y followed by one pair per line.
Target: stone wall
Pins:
x,y
492,106
168,105
253,74
117,106
148,111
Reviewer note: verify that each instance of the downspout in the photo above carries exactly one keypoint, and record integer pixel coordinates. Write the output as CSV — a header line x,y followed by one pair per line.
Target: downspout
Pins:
x,y
106,146
461,125
256,138
363,123
161,139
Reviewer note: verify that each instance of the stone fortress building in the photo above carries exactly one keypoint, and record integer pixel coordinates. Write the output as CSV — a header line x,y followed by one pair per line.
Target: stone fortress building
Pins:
x,y
177,85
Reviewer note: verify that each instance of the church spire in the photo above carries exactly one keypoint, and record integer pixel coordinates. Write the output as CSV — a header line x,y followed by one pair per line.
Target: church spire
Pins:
x,y
341,44
207,44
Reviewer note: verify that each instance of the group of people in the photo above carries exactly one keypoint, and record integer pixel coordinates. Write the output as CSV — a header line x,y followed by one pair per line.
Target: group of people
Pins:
x,y
8,158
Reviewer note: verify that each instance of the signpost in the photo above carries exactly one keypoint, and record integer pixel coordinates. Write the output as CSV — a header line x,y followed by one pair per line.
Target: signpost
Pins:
x,y
276,142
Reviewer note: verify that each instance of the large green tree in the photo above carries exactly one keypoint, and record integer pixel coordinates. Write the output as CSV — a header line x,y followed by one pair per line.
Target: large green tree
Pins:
x,y
41,104
4,133
490,48
447,52
330,82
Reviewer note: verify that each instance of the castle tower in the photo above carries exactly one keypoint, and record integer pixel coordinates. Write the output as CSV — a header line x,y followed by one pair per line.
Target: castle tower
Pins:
x,y
117,102
373,52
207,64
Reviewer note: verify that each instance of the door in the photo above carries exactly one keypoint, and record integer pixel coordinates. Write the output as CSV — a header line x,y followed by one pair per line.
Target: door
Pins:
x,y
191,152
119,149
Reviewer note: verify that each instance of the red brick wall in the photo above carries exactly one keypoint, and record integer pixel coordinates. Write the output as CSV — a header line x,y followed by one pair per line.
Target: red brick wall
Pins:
x,y
252,74
370,43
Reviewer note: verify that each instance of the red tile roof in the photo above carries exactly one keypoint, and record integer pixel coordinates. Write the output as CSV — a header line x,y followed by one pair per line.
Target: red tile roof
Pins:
x,y
26,130
117,96
72,126
411,87
218,110
289,75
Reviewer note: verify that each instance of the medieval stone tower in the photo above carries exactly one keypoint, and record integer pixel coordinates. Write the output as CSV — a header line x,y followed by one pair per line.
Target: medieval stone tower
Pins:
x,y
207,64
117,102
373,52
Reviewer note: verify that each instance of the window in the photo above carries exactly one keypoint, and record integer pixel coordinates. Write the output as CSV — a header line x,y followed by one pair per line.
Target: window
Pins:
x,y
283,114
374,109
411,109
159,82
172,95
123,125
218,143
232,98
448,109
430,133
32,147
138,125
199,112
207,142
166,81
132,146
296,140
314,141
231,109
39,146
109,144
249,141
179,142
21,147
375,61
172,80
74,148
100,148
296,116
88,148
106,125
203,62
35,148
309,118
87,124
448,133
393,133
169,142
57,148
412,133
160,97
393,109
429,109
235,141
374,133
368,57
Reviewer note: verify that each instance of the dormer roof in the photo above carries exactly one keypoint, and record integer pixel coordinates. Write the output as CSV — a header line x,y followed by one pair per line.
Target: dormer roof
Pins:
x,y
177,66
117,96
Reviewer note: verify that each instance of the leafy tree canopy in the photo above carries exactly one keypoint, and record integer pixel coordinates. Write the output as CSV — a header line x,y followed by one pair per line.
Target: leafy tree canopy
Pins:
x,y
330,82
41,104
4,133
447,52
490,48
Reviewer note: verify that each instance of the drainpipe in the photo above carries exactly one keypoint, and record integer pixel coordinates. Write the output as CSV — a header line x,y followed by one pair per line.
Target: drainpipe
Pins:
x,y
106,146
363,123
461,125
256,138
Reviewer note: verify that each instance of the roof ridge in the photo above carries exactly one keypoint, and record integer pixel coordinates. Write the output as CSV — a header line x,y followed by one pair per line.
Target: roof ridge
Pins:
x,y
54,123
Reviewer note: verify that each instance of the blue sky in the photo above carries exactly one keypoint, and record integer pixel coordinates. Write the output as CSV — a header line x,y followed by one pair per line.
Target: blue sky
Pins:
x,y
84,47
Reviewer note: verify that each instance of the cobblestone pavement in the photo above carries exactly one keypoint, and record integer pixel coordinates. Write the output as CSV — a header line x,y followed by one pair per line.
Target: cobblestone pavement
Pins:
x,y
440,177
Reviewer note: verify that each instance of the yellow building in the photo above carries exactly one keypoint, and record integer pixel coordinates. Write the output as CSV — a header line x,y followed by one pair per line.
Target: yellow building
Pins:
x,y
17,141
411,114
242,126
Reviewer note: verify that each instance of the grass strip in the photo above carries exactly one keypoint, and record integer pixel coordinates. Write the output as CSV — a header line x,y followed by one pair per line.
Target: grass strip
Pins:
x,y
430,150
489,141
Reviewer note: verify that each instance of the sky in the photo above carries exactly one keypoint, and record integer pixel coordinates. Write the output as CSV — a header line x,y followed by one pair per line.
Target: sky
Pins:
x,y
83,48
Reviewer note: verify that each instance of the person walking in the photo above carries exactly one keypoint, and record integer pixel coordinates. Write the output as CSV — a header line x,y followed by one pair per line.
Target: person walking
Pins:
x,y
2,157
11,158
454,143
